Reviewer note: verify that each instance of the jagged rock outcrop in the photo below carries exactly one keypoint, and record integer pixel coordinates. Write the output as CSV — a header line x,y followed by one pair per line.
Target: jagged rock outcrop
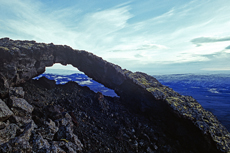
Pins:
x,y
181,116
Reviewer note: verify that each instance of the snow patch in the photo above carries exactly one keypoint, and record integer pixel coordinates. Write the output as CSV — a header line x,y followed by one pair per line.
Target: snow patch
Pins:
x,y
213,90
87,82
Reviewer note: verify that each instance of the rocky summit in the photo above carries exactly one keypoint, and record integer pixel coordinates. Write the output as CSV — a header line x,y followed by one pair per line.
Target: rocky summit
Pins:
x,y
40,116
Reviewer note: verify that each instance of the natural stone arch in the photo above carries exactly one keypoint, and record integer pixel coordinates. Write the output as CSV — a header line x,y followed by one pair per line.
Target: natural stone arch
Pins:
x,y
64,74
181,116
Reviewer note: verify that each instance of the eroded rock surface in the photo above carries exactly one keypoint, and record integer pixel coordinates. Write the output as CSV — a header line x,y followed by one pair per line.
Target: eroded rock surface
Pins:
x,y
182,117
5,112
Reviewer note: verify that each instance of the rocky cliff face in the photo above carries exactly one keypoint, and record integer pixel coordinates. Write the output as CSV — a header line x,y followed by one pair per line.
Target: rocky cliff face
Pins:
x,y
182,117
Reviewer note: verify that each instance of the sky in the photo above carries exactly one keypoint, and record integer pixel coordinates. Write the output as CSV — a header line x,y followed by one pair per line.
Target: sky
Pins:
x,y
151,36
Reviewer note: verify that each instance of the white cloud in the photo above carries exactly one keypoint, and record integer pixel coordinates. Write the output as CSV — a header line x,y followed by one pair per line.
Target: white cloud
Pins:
x,y
148,46
217,69
98,30
138,45
162,38
90,32
201,40
30,22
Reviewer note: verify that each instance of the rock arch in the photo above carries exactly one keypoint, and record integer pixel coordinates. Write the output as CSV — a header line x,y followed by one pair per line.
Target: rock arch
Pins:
x,y
64,74
181,116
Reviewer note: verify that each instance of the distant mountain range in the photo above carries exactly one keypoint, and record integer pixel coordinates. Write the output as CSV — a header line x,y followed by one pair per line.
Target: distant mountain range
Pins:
x,y
82,80
211,91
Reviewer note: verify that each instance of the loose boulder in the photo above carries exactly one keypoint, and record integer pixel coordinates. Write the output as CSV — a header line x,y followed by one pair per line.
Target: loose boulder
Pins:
x,y
5,112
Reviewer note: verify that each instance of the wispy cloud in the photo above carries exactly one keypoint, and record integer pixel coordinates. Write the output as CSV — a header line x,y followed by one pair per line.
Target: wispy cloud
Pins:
x,y
151,46
228,47
217,69
100,29
138,56
201,40
30,22
119,34
136,45
90,32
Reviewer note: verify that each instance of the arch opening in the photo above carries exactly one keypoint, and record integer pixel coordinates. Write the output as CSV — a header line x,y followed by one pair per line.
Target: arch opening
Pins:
x,y
63,74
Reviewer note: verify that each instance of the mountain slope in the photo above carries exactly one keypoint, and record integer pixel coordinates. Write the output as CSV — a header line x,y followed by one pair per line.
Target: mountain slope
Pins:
x,y
180,117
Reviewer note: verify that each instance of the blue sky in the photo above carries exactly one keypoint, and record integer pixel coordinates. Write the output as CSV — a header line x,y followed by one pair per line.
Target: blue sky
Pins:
x,y
156,37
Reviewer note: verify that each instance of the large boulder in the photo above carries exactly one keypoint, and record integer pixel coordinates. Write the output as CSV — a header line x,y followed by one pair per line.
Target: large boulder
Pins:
x,y
20,107
22,110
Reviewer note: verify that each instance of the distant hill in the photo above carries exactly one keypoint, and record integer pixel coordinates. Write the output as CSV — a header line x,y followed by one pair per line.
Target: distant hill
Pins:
x,y
211,91
81,79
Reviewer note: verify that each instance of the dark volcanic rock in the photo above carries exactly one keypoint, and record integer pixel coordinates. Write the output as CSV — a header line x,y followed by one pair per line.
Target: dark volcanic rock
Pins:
x,y
5,112
20,106
17,92
180,117
8,132
49,84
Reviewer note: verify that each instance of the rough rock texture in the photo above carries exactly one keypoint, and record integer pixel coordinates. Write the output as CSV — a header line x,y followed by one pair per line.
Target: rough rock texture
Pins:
x,y
7,132
20,106
16,91
5,112
182,117
114,129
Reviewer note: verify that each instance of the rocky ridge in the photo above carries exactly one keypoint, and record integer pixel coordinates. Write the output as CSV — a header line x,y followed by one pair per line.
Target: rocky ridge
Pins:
x,y
181,118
